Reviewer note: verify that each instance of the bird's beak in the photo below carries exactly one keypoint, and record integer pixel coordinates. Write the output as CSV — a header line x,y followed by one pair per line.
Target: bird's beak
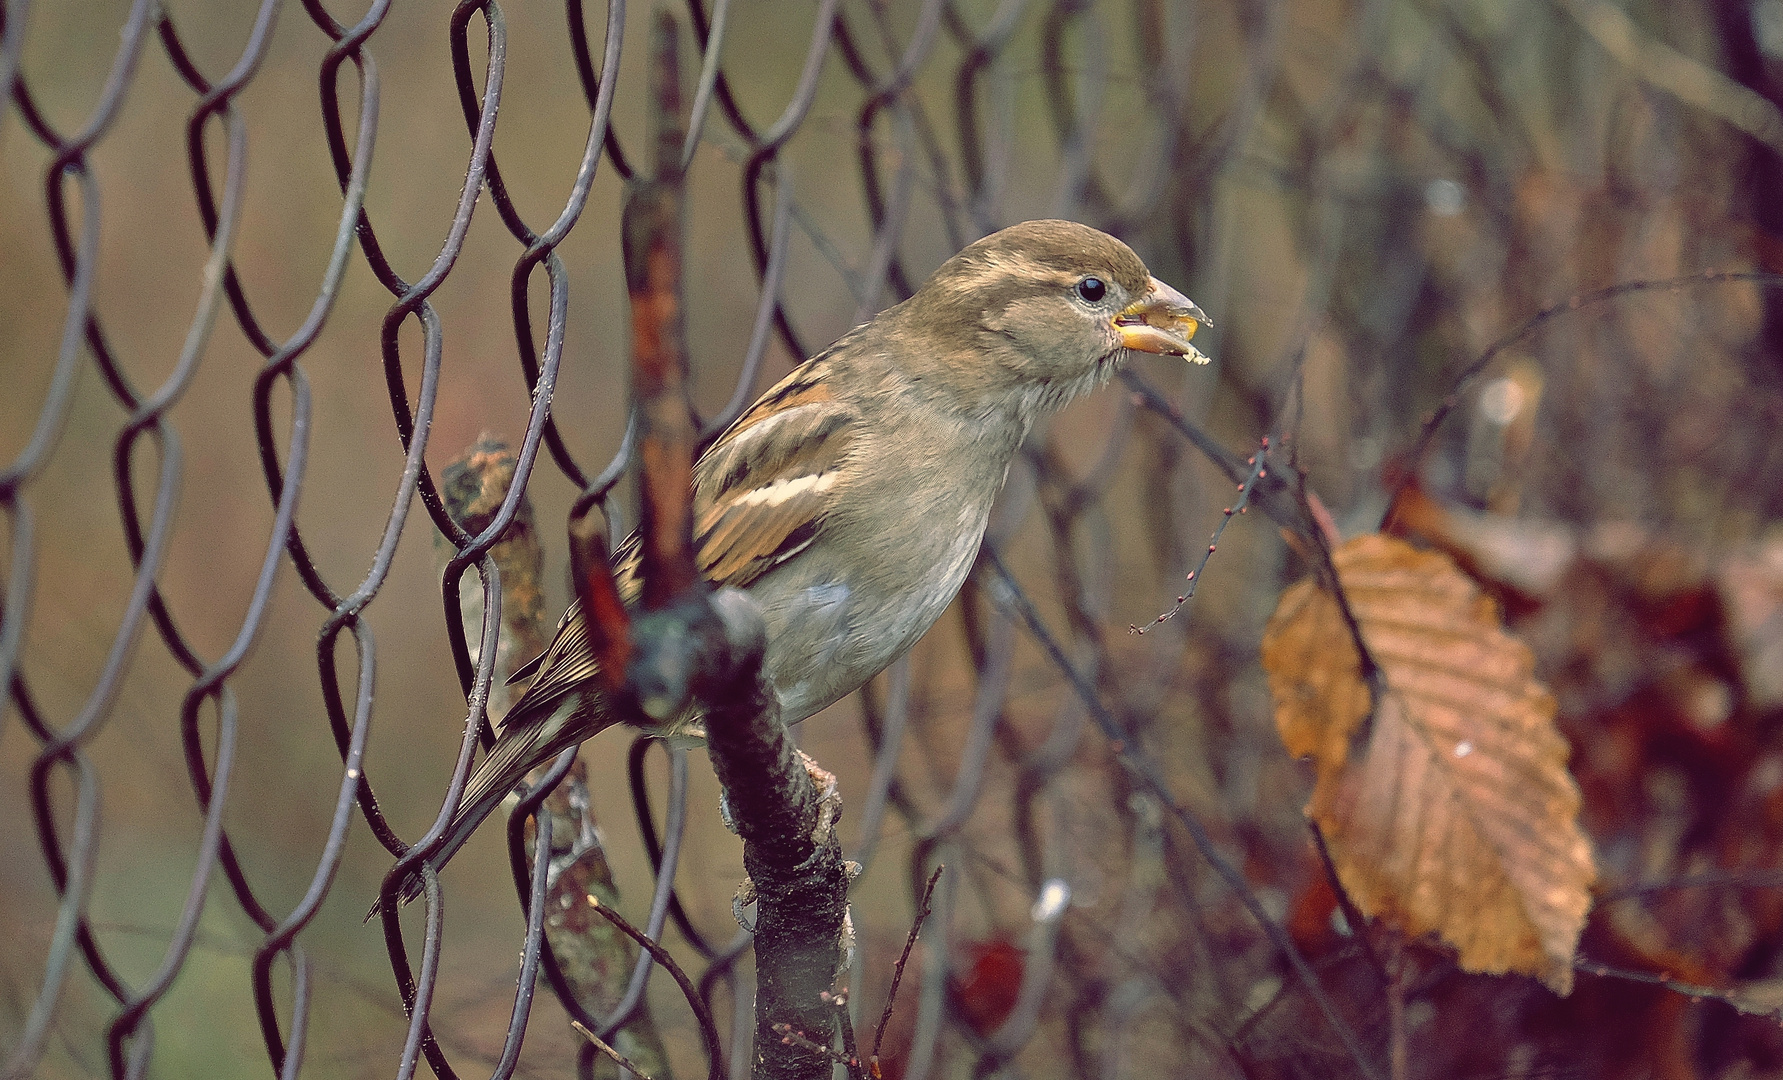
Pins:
x,y
1162,321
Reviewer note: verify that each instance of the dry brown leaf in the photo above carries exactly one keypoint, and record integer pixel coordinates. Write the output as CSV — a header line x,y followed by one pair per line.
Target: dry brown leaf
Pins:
x,y
1457,816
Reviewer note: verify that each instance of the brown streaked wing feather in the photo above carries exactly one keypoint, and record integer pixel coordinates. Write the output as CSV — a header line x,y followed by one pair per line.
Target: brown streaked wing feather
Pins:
x,y
570,659
742,542
804,385
531,667
762,491
760,495
558,670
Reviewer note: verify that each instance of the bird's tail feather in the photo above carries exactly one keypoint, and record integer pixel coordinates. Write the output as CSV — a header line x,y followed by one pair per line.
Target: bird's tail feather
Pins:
x,y
522,747
480,800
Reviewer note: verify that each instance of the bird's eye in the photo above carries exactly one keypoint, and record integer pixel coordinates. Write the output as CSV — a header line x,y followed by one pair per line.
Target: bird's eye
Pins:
x,y
1092,289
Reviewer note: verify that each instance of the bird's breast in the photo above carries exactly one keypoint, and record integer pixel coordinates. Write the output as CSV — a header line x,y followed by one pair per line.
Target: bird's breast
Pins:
x,y
885,570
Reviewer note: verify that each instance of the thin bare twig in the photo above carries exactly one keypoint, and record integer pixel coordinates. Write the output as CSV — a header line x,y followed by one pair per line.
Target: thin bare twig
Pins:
x,y
891,998
857,1069
847,1057
1259,470
708,1028
618,1059
1689,990
1578,302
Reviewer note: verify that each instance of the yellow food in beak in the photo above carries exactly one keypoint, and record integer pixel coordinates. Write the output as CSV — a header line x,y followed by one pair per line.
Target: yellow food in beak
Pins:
x,y
1162,321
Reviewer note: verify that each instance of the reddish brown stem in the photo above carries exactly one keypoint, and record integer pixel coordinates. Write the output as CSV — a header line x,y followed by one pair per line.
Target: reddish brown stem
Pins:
x,y
660,384
609,626
661,379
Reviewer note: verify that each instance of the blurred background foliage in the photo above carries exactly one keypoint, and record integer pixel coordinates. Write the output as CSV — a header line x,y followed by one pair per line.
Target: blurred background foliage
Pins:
x,y
1364,195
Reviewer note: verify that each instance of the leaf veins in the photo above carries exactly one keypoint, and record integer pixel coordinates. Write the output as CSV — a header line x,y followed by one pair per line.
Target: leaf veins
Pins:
x,y
1457,816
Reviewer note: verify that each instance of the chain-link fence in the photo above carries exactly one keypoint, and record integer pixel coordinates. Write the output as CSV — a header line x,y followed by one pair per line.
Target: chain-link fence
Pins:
x,y
264,272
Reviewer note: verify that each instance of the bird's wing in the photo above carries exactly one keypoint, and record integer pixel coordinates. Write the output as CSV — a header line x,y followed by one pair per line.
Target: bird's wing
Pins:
x,y
570,653
559,669
762,492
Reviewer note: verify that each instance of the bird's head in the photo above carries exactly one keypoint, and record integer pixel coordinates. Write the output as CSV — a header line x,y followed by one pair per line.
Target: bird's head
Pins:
x,y
1052,304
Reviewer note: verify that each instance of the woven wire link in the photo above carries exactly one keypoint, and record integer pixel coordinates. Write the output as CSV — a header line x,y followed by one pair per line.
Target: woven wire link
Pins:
x,y
920,102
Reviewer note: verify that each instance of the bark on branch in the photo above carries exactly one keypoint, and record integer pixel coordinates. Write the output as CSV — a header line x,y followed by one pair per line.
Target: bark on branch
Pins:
x,y
687,646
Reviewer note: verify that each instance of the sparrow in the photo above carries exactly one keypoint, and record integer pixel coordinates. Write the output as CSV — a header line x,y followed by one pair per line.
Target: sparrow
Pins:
x,y
850,500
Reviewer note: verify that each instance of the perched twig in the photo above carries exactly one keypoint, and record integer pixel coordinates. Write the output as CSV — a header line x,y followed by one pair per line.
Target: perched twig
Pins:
x,y
794,860
661,377
609,626
789,1037
690,649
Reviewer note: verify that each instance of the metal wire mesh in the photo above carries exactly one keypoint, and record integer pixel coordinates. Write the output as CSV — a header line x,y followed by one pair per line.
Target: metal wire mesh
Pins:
x,y
838,151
